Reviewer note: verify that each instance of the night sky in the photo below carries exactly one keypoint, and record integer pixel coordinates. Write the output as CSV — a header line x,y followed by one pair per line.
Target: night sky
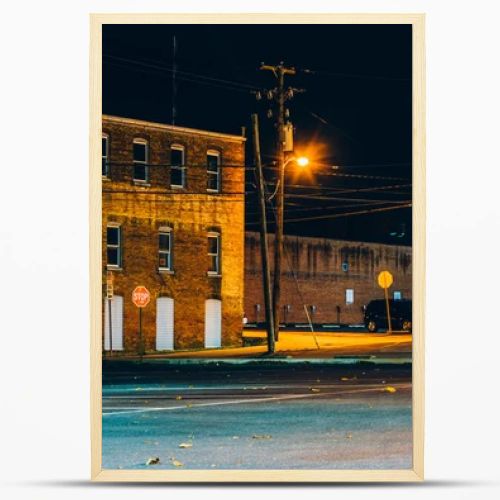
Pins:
x,y
355,112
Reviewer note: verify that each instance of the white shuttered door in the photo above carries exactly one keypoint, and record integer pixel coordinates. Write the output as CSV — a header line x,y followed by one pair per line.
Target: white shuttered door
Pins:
x,y
164,324
116,323
212,323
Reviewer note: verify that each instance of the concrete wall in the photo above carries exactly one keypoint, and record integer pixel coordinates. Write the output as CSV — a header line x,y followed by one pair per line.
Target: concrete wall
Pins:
x,y
191,213
320,278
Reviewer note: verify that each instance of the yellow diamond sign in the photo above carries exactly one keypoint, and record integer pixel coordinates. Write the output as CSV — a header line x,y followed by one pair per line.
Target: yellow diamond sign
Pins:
x,y
385,279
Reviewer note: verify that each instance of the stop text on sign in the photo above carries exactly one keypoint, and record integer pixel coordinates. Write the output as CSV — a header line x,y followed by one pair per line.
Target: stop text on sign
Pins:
x,y
141,296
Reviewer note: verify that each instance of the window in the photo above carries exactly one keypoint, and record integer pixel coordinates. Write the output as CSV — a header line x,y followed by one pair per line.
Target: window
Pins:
x,y
398,295
165,249
213,171
349,296
114,245
140,160
177,168
214,253
105,155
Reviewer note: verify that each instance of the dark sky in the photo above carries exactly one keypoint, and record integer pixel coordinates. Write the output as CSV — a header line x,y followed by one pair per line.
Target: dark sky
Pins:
x,y
355,112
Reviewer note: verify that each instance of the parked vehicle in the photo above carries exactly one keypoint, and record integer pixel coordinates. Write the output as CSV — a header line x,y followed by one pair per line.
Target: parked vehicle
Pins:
x,y
375,315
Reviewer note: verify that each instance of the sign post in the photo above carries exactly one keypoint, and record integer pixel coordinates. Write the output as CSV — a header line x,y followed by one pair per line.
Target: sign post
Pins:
x,y
141,298
109,296
385,280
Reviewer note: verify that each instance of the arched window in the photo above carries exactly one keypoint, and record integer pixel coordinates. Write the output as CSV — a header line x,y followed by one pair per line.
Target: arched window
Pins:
x,y
105,155
165,246
141,159
177,166
213,171
114,245
214,253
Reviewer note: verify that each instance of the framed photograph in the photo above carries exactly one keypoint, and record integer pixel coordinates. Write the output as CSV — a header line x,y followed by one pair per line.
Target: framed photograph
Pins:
x,y
257,245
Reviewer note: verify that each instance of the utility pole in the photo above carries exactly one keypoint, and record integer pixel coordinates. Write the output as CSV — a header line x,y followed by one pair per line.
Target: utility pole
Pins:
x,y
263,236
109,295
279,71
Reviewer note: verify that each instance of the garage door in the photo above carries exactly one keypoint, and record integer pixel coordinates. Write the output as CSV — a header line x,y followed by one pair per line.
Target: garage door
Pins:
x,y
116,323
164,324
212,323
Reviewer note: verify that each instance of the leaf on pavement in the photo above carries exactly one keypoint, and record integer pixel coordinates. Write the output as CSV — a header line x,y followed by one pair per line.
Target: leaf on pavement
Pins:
x,y
186,445
178,397
314,389
153,461
390,389
176,462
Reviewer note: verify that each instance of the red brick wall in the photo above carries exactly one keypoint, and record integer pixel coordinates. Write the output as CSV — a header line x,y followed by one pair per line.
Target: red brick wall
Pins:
x,y
141,211
321,281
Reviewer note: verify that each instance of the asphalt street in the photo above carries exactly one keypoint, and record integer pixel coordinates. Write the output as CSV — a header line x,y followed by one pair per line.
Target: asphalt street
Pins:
x,y
253,416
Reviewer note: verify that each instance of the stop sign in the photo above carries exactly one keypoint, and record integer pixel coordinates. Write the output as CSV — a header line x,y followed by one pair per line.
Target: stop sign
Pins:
x,y
141,296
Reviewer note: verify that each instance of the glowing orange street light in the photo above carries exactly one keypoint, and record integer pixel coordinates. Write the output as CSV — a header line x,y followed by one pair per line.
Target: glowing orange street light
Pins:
x,y
302,161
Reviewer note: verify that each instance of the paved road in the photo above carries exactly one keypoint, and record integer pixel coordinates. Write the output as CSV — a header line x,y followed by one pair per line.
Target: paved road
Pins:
x,y
249,416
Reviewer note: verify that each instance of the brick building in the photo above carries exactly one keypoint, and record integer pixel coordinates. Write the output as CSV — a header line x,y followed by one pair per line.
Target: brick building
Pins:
x,y
173,221
334,278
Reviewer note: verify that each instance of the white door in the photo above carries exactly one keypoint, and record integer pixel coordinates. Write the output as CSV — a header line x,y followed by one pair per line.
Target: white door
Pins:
x,y
164,324
213,323
116,323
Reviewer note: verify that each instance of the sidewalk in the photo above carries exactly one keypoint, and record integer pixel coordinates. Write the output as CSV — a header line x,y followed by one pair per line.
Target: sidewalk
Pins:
x,y
302,345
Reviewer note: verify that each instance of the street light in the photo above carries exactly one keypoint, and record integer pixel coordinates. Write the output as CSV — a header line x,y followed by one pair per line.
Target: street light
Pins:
x,y
301,161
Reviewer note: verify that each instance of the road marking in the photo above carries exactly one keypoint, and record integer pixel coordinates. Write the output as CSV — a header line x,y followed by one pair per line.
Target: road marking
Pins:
x,y
143,393
116,411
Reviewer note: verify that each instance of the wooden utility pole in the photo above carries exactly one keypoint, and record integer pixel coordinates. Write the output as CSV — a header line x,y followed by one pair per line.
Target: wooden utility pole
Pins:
x,y
279,71
388,311
109,295
263,236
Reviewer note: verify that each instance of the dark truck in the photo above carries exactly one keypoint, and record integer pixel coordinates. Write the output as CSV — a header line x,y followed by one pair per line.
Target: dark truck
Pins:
x,y
375,315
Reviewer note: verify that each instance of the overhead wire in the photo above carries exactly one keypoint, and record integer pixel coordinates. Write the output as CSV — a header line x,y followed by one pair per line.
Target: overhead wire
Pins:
x,y
185,75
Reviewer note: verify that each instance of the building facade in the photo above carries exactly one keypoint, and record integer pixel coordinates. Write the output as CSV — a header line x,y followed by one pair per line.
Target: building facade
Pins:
x,y
333,278
172,221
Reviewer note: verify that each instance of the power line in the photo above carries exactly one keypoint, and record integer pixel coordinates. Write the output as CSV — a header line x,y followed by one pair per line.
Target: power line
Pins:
x,y
174,192
353,75
349,214
354,176
327,207
335,190
361,176
320,197
187,166
158,66
183,78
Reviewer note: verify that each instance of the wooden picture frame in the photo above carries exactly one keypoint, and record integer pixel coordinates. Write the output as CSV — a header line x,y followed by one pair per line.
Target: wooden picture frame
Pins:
x,y
419,249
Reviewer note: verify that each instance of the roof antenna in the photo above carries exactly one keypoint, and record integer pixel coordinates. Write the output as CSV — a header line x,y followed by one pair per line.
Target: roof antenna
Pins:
x,y
174,87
